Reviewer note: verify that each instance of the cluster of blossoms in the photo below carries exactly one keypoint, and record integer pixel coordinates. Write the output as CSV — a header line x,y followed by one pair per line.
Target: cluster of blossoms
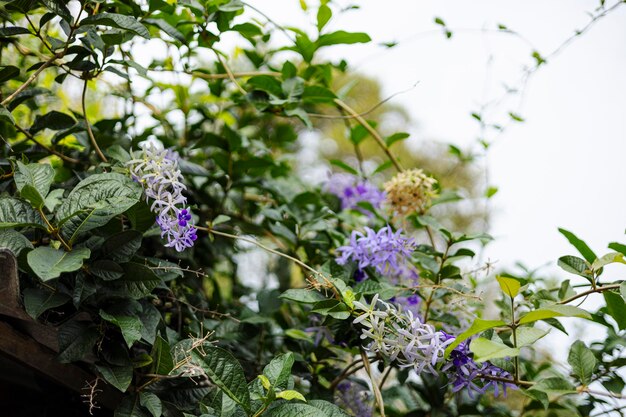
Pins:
x,y
385,251
354,398
401,336
157,171
465,373
410,191
352,190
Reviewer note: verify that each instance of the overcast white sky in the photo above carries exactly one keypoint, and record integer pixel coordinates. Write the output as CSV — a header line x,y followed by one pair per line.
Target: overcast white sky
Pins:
x,y
563,167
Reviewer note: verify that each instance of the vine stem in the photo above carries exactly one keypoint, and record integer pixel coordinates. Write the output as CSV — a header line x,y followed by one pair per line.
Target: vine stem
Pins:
x,y
591,291
29,136
372,131
375,388
264,247
229,73
94,143
30,79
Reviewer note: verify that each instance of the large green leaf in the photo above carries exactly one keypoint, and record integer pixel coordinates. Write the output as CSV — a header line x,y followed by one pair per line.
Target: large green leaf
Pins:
x,y
33,182
616,307
118,376
302,295
330,409
129,325
95,201
162,361
555,310
14,241
49,263
478,326
76,339
18,213
278,370
583,362
320,409
580,245
54,120
38,300
220,366
575,265
119,21
485,349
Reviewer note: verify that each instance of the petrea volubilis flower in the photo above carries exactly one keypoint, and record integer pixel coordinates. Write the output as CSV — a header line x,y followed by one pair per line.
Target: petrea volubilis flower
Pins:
x,y
401,336
384,250
465,373
354,399
352,190
157,171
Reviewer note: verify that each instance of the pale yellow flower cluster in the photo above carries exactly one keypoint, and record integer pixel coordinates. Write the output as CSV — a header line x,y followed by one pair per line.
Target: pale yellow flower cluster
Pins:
x,y
410,191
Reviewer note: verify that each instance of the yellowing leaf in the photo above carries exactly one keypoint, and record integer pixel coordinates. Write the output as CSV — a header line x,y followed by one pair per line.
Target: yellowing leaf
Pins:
x,y
510,286
290,395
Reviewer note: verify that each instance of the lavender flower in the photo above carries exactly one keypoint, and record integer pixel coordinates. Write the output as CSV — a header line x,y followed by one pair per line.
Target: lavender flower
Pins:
x,y
384,250
157,171
401,336
465,373
354,399
352,190
410,303
319,331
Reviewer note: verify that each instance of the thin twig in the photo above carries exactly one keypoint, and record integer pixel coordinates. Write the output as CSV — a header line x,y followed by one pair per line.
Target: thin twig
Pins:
x,y
230,74
29,136
94,143
588,292
30,79
372,131
377,393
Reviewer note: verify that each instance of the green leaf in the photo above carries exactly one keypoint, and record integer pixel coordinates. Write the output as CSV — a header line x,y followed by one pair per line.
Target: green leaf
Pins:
x,y
95,201
333,308
609,258
618,247
290,395
18,213
302,295
622,290
33,182
329,409
266,83
167,28
581,246
38,300
6,115
323,16
220,366
344,166
278,370
106,270
138,280
555,310
540,396
76,339
485,349
53,199
118,376
342,37
122,247
54,120
526,336
616,307
555,385
479,325
313,94
583,362
130,326
396,137
49,263
119,21
298,410
130,407
162,361
14,241
12,31
151,402
510,286
575,265
8,72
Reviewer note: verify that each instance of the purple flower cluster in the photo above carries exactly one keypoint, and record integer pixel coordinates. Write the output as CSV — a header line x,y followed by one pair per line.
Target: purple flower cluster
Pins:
x,y
410,303
354,399
157,171
352,190
465,373
385,251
